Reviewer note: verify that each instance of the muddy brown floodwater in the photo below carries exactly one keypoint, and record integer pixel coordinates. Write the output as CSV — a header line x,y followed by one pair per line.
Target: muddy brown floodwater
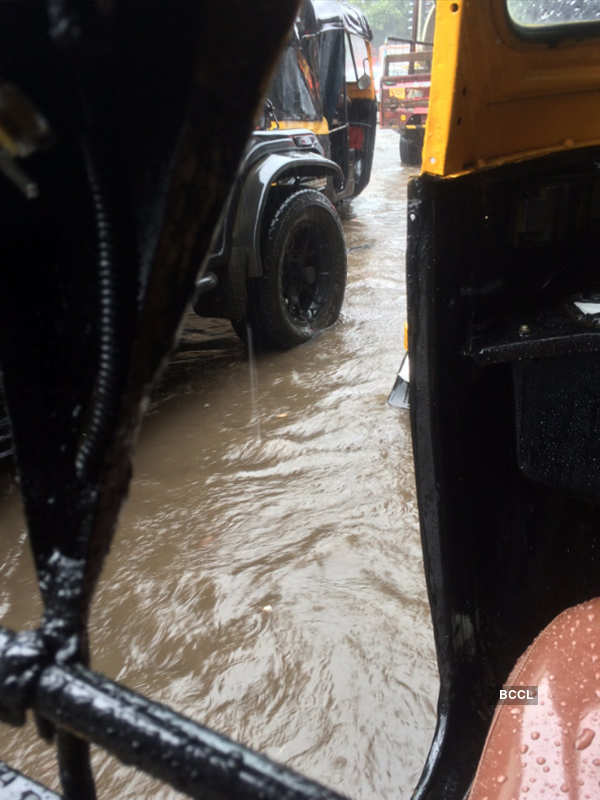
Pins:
x,y
266,578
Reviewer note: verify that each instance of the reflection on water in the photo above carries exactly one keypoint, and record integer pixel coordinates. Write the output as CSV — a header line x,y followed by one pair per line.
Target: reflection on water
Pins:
x,y
272,587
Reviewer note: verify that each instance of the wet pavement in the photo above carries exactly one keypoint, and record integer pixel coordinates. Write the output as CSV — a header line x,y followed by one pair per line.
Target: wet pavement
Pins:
x,y
266,578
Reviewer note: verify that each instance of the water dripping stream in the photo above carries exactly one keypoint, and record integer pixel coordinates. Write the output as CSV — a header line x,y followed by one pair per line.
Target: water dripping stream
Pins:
x,y
255,418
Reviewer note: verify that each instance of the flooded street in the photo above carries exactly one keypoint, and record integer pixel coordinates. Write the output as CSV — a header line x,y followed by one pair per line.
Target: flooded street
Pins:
x,y
266,578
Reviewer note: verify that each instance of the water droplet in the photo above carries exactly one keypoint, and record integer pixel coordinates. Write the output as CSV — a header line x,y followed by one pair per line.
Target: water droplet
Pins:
x,y
591,617
546,768
541,760
535,735
596,762
584,739
557,743
524,748
564,787
551,677
501,778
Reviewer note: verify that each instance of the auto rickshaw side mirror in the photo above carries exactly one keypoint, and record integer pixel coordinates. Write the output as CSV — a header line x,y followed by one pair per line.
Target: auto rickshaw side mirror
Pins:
x,y
364,82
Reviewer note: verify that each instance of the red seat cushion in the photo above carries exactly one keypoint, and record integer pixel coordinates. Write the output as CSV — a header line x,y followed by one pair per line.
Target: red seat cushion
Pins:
x,y
552,749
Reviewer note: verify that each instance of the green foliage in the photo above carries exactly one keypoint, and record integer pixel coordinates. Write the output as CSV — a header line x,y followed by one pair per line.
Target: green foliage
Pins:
x,y
387,17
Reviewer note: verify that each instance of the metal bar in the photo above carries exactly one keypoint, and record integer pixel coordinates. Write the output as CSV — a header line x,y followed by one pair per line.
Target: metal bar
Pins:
x,y
417,55
402,40
74,767
189,757
15,786
415,21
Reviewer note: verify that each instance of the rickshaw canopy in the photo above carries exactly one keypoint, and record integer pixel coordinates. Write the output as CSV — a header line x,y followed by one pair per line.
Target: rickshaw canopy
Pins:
x,y
310,76
332,15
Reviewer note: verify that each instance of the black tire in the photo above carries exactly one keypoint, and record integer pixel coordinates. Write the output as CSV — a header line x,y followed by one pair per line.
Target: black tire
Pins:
x,y
410,153
304,261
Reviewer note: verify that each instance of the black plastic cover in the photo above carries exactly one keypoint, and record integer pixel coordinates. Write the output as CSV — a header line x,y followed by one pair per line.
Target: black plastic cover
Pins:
x,y
310,77
333,78
295,91
341,16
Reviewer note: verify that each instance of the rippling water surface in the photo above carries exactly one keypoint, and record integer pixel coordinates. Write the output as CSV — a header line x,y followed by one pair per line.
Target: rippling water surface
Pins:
x,y
273,587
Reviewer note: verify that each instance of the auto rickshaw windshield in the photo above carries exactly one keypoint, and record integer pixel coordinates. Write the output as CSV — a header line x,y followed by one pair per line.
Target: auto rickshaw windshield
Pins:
x,y
295,87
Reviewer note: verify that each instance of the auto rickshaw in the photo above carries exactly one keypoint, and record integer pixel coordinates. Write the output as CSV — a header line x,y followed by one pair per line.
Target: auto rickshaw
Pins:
x,y
279,264
503,232
503,229
324,82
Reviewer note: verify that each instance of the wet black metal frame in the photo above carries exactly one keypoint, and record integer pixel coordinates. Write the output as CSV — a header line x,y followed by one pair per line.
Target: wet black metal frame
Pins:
x,y
97,272
189,757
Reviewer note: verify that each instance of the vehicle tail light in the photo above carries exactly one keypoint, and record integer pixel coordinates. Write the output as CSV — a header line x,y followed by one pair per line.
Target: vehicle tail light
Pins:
x,y
356,138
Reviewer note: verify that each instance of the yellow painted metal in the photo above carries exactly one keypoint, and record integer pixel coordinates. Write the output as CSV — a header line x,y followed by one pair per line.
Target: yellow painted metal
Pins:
x,y
397,91
319,126
497,97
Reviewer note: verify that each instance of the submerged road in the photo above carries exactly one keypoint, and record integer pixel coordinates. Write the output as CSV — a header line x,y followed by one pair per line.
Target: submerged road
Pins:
x,y
266,578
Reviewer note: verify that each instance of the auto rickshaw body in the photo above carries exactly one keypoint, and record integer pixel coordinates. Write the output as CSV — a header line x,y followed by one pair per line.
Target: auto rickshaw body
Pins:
x,y
503,230
315,134
324,83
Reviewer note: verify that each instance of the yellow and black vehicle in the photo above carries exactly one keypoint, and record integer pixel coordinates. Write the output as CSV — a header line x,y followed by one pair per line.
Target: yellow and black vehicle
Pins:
x,y
324,83
279,264
503,315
